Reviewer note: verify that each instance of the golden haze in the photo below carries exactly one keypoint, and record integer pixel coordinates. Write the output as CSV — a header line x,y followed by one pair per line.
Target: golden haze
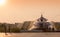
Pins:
x,y
25,10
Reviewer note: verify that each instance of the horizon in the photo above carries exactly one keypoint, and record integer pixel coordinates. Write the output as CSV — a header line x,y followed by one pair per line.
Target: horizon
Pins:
x,y
27,10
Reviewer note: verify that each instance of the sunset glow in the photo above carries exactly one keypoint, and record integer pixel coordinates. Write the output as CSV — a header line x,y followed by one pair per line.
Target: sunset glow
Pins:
x,y
2,2
27,10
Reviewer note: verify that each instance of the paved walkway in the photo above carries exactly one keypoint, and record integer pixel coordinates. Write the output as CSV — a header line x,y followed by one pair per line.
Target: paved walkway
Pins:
x,y
30,35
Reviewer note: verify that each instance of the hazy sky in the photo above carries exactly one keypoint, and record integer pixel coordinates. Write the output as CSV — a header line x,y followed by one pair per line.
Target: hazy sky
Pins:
x,y
24,10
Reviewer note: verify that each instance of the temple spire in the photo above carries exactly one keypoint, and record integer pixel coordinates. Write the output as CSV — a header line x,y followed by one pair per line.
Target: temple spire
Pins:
x,y
41,15
42,18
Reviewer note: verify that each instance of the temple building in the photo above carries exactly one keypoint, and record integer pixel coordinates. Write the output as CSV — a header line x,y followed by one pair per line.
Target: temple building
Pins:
x,y
42,24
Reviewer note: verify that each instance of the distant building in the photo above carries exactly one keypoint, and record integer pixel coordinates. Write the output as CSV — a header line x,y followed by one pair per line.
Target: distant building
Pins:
x,y
19,25
26,25
31,24
57,26
42,24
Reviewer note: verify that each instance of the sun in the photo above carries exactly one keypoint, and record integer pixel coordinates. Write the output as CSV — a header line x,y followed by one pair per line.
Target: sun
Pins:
x,y
2,2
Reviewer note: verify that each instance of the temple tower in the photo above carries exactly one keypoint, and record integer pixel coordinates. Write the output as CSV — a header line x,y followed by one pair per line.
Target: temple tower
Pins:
x,y
41,24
